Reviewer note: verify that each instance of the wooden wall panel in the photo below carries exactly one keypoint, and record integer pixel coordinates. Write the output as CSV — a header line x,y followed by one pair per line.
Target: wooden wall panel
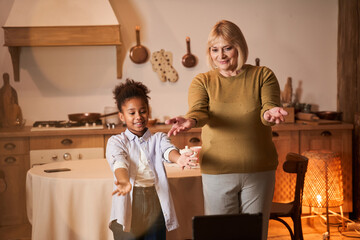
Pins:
x,y
348,59
349,82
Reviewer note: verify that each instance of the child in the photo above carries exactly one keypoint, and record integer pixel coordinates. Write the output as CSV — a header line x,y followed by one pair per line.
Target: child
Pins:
x,y
142,207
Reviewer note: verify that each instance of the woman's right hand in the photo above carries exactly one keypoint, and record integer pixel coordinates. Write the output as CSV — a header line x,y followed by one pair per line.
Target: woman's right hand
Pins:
x,y
179,124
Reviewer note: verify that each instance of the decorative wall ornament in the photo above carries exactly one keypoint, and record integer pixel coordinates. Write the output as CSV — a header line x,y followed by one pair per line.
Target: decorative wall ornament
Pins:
x,y
161,62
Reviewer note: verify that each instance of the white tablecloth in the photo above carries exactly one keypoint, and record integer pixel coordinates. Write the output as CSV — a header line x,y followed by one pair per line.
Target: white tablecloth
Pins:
x,y
76,205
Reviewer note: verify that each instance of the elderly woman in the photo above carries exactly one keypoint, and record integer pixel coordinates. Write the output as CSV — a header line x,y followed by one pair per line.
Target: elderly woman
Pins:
x,y
235,104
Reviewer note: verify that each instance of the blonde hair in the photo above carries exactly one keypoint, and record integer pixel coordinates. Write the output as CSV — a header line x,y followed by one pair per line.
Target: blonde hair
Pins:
x,y
231,33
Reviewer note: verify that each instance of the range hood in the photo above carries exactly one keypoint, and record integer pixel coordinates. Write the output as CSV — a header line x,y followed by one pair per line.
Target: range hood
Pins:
x,y
44,23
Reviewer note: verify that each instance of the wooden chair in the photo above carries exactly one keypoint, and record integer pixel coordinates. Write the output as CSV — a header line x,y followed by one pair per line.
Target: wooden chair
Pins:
x,y
295,163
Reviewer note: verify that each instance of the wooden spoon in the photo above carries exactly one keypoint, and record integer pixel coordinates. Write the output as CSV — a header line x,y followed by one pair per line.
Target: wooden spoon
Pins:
x,y
188,59
138,53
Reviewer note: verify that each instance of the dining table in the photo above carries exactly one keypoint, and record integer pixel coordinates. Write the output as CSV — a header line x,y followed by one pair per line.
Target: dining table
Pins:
x,y
75,203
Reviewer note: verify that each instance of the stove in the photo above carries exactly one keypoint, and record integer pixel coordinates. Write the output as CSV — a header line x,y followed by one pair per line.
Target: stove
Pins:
x,y
66,125
44,156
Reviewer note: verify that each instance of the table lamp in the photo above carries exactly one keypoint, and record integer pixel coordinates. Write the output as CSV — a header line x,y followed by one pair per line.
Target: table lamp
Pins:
x,y
323,186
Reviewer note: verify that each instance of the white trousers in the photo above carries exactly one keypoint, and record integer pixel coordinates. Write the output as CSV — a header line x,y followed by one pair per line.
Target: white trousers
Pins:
x,y
235,193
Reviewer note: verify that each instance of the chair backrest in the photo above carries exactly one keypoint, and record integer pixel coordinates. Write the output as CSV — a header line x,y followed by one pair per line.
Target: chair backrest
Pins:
x,y
227,227
296,163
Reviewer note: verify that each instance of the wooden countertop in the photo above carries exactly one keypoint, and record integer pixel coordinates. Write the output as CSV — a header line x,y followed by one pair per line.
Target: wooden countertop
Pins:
x,y
25,131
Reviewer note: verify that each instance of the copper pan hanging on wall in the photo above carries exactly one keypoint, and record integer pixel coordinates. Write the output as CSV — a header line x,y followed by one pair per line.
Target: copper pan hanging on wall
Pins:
x,y
188,60
138,53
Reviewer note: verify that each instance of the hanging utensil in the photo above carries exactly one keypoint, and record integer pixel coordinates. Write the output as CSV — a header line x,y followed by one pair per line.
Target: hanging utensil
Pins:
x,y
188,60
138,53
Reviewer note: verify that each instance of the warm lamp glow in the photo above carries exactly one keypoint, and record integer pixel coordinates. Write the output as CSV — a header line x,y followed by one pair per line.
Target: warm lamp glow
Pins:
x,y
318,197
323,179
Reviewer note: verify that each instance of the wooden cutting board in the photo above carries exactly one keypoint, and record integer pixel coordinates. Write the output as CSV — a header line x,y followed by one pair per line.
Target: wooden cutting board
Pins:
x,y
10,112
318,122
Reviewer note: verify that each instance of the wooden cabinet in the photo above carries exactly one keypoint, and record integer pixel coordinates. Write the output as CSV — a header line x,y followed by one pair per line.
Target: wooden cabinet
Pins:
x,y
285,142
14,163
65,142
339,141
336,138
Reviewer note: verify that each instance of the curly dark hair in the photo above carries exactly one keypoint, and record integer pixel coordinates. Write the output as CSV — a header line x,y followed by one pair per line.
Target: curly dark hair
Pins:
x,y
130,89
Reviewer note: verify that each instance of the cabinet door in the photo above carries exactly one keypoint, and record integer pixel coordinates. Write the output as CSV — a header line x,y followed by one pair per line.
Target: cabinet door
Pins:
x,y
12,199
339,141
285,142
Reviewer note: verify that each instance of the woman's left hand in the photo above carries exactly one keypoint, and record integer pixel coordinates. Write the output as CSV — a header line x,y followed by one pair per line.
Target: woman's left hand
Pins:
x,y
275,114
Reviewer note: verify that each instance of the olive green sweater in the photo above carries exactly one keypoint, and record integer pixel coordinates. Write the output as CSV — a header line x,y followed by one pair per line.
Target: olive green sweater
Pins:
x,y
236,138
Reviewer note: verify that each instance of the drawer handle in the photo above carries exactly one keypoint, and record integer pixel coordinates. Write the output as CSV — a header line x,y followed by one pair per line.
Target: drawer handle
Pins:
x,y
326,134
66,142
9,146
194,140
10,160
275,134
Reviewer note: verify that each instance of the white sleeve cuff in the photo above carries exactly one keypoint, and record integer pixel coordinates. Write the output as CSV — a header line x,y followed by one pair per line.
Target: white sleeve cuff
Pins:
x,y
167,152
119,164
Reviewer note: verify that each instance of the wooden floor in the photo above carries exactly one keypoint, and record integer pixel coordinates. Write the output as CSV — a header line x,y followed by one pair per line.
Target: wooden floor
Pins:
x,y
313,229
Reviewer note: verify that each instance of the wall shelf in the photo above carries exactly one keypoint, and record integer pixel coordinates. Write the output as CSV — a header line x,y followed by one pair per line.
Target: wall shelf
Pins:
x,y
17,37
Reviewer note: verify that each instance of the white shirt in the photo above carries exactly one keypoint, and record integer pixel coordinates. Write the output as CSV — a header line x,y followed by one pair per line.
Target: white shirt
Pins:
x,y
125,148
145,177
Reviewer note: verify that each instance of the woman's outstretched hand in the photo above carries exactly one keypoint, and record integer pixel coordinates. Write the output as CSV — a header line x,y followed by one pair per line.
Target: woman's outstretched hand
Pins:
x,y
275,115
179,124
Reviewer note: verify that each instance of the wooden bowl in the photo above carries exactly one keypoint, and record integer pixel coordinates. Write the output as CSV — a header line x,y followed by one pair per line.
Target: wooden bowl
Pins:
x,y
329,115
152,122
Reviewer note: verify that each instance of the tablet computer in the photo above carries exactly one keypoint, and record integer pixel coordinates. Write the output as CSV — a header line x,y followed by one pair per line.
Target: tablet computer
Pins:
x,y
227,227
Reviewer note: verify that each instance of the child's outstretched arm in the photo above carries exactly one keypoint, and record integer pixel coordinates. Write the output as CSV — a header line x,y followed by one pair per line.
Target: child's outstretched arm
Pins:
x,y
122,182
184,160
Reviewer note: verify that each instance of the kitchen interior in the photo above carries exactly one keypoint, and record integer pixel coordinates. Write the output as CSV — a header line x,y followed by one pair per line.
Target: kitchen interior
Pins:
x,y
60,62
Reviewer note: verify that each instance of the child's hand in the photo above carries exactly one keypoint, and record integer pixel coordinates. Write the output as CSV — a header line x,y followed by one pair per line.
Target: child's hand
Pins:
x,y
186,161
123,188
